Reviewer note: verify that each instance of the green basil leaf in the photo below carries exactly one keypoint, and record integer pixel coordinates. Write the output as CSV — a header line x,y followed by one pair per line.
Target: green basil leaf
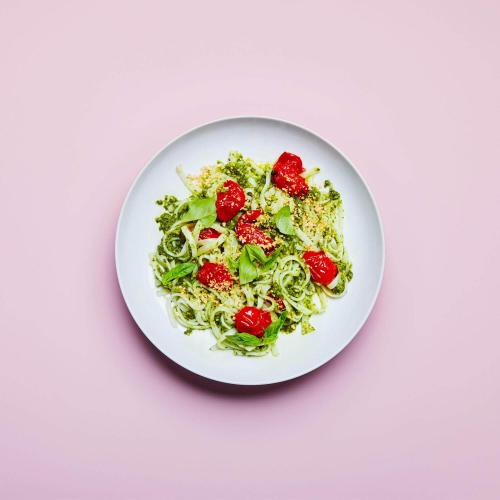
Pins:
x,y
178,272
271,332
208,220
271,260
283,221
247,269
244,339
233,264
255,252
201,209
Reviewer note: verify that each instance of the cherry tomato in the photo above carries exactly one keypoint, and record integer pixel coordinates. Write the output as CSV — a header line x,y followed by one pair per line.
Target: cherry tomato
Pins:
x,y
323,270
252,320
248,232
206,234
230,201
291,182
288,163
215,276
250,216
286,175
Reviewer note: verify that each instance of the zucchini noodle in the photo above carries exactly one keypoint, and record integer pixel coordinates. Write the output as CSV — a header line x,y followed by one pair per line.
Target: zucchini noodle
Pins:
x,y
286,282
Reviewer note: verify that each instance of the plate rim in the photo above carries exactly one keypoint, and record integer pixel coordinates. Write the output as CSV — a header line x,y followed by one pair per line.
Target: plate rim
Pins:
x,y
269,119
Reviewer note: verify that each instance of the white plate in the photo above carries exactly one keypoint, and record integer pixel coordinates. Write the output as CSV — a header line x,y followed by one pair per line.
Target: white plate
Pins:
x,y
263,139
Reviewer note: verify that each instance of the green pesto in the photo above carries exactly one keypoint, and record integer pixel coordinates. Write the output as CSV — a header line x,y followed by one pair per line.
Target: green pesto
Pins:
x,y
340,287
307,327
314,193
289,327
166,220
334,195
237,168
189,314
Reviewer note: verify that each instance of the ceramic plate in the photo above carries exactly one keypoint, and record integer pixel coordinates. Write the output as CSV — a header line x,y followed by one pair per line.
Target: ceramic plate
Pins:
x,y
262,139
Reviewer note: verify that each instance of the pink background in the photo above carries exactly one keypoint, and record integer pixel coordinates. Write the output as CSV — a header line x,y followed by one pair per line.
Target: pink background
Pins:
x,y
90,90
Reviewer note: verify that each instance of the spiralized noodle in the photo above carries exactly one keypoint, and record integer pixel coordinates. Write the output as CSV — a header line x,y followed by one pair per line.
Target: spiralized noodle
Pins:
x,y
317,221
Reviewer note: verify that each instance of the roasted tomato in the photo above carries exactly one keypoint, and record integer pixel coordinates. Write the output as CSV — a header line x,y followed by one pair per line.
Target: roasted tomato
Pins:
x,y
323,270
229,201
286,175
206,234
250,216
248,232
294,184
215,276
288,163
252,320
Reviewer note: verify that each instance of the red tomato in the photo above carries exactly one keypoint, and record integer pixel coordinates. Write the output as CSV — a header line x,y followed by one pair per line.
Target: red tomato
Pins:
x,y
288,163
286,175
250,216
206,234
230,201
215,276
291,182
323,270
247,232
252,320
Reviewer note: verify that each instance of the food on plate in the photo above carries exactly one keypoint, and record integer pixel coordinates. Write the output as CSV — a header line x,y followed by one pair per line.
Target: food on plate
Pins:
x,y
253,252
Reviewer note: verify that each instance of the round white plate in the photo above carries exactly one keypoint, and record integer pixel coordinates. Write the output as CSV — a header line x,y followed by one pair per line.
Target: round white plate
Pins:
x,y
262,139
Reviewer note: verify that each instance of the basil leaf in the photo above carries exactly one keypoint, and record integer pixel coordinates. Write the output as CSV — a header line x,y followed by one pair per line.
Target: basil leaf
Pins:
x,y
245,339
283,221
249,255
256,253
247,269
178,272
271,332
202,209
271,260
232,264
208,220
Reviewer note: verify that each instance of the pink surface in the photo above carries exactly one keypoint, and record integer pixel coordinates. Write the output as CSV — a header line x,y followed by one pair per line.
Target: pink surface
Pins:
x,y
90,91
